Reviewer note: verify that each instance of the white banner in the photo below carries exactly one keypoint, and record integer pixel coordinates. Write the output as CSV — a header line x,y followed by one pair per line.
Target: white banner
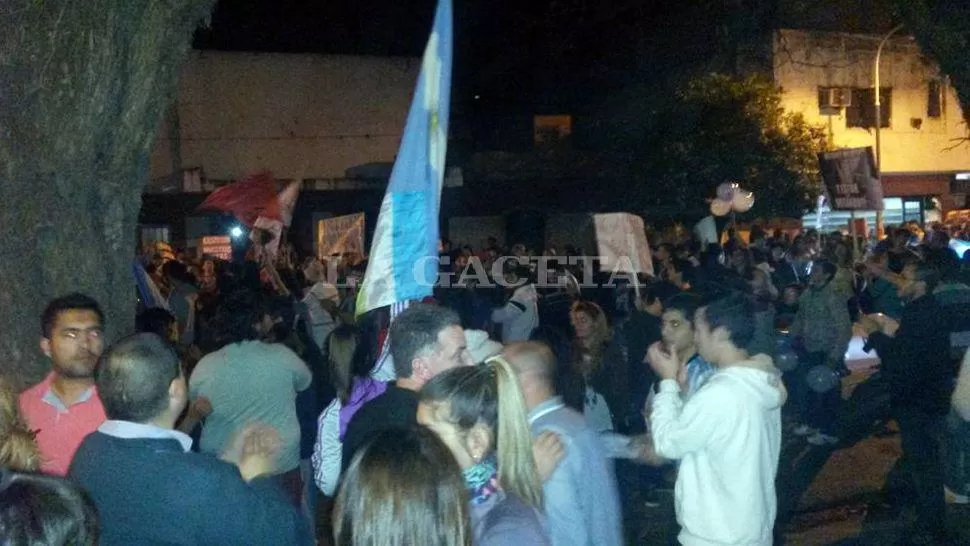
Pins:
x,y
339,235
622,243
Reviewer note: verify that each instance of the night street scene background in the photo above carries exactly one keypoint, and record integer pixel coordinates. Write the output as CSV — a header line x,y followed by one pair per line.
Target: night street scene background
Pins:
x,y
485,272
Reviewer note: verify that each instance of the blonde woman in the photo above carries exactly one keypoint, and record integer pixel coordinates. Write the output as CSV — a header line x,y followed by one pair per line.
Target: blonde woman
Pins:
x,y
597,383
18,450
480,414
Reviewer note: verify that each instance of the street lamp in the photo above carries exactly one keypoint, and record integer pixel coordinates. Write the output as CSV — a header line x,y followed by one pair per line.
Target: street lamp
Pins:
x,y
880,228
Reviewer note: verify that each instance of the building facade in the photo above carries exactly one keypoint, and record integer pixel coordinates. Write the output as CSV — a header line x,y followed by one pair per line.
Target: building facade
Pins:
x,y
829,77
299,116
334,122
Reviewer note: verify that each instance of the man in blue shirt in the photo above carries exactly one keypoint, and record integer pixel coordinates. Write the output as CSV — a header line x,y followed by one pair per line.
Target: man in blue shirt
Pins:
x,y
580,497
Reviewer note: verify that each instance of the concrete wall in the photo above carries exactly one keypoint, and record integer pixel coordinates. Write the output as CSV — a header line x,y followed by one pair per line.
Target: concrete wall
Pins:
x,y
807,60
300,116
475,230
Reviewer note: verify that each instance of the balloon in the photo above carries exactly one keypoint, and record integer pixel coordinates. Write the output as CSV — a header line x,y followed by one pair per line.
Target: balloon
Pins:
x,y
720,208
786,360
822,379
725,192
743,201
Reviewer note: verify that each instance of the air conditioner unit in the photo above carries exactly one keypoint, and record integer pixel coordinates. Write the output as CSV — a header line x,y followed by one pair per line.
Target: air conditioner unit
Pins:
x,y
836,97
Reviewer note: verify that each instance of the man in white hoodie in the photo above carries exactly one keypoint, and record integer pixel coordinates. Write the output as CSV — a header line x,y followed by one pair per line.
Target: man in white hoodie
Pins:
x,y
727,435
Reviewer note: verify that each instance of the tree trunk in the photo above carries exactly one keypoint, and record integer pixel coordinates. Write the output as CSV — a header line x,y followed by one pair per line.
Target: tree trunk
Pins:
x,y
82,87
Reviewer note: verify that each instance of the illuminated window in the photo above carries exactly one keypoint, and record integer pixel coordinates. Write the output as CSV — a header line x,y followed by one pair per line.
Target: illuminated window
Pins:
x,y
550,130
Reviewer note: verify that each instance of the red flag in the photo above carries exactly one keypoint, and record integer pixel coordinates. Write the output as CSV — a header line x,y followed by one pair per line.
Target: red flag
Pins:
x,y
281,207
247,199
276,217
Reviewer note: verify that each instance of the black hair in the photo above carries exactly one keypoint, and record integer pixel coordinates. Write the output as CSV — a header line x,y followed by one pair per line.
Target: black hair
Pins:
x,y
687,303
415,331
281,310
39,510
235,317
178,271
928,273
156,320
134,375
294,280
946,260
70,302
827,267
660,291
735,313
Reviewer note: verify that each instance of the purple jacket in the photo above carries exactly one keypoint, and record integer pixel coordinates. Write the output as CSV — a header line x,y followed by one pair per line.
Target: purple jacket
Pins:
x,y
364,390
504,520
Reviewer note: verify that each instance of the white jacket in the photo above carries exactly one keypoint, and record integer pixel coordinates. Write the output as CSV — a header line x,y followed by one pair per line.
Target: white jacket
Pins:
x,y
728,437
328,449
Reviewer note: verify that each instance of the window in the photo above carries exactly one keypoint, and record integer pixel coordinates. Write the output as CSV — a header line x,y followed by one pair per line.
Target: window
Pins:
x,y
862,111
154,233
551,130
934,99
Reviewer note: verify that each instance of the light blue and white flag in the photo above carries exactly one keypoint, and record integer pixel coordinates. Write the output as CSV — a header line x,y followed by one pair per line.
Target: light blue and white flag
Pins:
x,y
403,260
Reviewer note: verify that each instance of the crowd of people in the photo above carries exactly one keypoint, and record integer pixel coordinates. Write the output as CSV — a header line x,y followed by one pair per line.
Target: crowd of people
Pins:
x,y
528,401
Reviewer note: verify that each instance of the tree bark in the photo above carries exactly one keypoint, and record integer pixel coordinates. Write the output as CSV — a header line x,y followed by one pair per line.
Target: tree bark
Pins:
x,y
83,85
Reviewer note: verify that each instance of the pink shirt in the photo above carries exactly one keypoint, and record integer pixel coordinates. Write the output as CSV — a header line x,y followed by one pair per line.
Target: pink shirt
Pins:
x,y
60,429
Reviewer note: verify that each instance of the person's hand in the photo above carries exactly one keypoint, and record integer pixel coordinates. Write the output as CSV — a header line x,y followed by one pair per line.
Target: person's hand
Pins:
x,y
200,408
646,454
194,353
665,363
235,447
682,378
192,298
869,325
260,445
547,450
885,324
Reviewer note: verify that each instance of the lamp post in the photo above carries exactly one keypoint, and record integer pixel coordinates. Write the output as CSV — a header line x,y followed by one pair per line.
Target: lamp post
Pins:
x,y
880,228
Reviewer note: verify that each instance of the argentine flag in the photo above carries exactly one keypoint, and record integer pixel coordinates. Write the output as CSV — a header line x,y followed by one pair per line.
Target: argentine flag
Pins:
x,y
403,260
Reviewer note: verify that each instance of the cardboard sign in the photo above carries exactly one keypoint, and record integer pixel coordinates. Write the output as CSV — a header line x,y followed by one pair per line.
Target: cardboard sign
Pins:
x,y
622,243
339,235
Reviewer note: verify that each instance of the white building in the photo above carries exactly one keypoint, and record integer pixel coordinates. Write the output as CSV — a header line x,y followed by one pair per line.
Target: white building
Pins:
x,y
300,116
829,78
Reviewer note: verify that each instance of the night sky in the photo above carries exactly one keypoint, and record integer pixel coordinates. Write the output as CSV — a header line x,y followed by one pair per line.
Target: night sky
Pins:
x,y
532,56
507,51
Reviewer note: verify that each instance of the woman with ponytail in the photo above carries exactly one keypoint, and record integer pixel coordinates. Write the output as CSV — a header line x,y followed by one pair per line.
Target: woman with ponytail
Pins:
x,y
480,414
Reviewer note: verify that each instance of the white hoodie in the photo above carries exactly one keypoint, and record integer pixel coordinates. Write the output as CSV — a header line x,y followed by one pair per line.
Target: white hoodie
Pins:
x,y
728,437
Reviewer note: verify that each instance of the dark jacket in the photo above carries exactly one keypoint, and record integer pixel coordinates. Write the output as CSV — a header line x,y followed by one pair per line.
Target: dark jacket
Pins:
x,y
396,408
916,360
642,331
610,379
149,491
